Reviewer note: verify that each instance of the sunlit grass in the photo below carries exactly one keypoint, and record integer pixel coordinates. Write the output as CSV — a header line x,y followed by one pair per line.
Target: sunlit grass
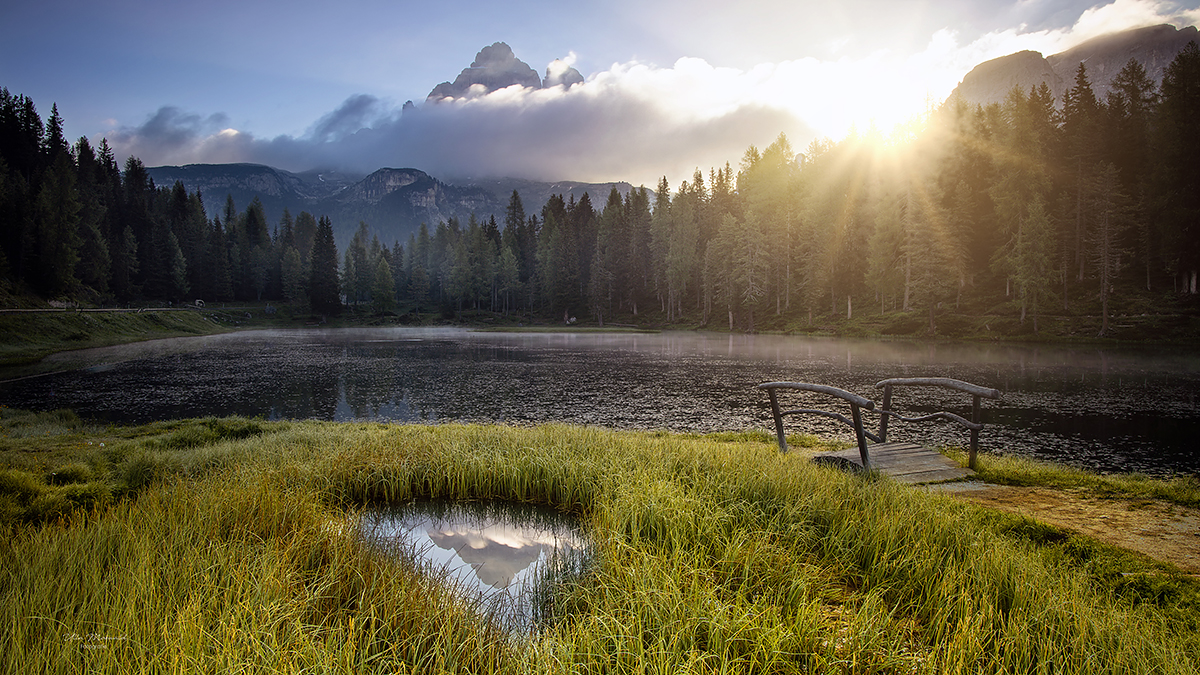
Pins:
x,y
1183,490
222,545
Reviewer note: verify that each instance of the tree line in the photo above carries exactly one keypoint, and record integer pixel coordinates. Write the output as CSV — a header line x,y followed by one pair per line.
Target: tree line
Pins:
x,y
1028,207
77,227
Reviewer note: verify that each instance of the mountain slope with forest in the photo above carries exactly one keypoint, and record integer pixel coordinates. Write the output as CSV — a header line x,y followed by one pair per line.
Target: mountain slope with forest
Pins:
x,y
394,202
1103,58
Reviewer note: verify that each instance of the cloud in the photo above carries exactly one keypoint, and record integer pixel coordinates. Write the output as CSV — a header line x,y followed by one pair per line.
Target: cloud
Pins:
x,y
561,72
357,112
169,131
1100,19
633,121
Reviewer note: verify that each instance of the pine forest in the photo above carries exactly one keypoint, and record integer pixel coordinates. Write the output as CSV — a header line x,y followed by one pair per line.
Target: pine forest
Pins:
x,y
1023,210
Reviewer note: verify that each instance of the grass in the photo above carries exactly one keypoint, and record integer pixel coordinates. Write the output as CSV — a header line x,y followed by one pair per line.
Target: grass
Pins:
x,y
27,338
212,547
1183,490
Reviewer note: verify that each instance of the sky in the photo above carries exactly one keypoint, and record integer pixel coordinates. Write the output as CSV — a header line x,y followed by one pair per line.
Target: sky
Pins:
x,y
670,86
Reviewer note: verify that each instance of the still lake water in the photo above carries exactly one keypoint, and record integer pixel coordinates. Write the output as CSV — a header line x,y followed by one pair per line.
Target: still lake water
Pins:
x,y
1100,408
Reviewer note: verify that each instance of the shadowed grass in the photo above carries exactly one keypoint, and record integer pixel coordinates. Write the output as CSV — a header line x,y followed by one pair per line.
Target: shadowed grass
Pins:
x,y
26,338
713,555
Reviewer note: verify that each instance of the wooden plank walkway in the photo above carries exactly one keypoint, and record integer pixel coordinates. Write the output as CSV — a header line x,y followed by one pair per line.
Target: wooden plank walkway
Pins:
x,y
907,463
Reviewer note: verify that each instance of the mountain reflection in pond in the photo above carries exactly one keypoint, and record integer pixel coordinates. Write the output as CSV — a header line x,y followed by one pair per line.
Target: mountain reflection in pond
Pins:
x,y
505,555
1133,409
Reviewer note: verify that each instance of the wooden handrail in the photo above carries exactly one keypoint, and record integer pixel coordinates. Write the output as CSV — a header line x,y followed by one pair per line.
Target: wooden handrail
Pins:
x,y
860,401
856,404
977,392
947,382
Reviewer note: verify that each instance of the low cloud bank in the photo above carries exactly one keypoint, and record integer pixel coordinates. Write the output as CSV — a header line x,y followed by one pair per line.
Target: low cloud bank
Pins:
x,y
631,122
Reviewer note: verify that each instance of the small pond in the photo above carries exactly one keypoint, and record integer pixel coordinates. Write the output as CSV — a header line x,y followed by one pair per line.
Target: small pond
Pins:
x,y
505,557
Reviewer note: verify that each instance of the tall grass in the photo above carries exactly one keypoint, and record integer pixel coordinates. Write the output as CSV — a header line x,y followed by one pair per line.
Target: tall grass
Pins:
x,y
1183,490
712,556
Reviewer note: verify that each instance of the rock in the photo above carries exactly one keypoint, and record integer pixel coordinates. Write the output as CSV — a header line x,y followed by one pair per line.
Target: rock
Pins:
x,y
561,73
1154,47
495,67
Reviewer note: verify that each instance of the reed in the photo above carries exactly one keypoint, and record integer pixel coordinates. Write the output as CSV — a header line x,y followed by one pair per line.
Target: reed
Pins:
x,y
236,550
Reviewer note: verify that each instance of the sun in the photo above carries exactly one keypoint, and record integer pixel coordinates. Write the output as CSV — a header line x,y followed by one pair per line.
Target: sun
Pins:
x,y
869,94
881,90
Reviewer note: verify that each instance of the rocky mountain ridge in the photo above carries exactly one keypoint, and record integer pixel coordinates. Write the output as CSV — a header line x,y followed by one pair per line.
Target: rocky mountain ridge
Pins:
x,y
393,202
1103,57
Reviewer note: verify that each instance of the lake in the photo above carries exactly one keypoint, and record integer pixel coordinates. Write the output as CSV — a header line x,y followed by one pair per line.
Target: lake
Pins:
x,y
1107,409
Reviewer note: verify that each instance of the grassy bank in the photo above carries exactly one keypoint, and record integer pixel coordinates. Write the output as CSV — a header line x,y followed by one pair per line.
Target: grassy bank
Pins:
x,y
217,545
1183,490
26,338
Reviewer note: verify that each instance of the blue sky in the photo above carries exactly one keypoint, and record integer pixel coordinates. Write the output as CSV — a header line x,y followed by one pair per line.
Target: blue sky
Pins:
x,y
671,86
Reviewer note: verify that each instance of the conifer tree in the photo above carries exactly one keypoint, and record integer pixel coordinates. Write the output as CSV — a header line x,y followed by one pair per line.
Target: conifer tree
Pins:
x,y
94,266
607,273
57,221
1130,108
125,265
323,266
660,240
1177,199
1110,210
383,287
1031,255
1081,124
292,273
216,261
178,269
509,278
640,264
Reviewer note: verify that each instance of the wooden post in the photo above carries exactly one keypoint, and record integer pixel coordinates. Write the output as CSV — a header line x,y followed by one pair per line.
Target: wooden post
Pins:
x,y
974,432
883,418
862,439
779,435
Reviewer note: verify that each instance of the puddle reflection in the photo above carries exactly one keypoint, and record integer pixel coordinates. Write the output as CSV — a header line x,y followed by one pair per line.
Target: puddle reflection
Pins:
x,y
509,557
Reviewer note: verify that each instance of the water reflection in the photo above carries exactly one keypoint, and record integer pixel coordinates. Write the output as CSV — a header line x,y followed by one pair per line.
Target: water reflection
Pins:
x,y
1125,410
507,556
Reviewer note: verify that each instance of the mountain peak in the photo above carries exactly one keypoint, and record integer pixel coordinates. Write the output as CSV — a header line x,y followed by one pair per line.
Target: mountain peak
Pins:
x,y
496,67
1104,56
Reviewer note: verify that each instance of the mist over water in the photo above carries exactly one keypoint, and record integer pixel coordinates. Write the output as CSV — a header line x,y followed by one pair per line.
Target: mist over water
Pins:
x,y
1110,410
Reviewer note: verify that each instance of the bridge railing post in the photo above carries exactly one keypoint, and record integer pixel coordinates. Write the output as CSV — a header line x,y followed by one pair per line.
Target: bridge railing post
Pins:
x,y
857,403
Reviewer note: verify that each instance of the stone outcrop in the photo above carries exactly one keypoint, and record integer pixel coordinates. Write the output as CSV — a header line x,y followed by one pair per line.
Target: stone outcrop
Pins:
x,y
990,81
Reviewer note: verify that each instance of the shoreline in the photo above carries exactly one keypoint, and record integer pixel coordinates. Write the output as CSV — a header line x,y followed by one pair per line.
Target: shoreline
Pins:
x,y
51,331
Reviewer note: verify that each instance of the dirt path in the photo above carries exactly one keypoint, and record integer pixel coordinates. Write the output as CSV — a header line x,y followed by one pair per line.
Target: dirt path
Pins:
x,y
1160,530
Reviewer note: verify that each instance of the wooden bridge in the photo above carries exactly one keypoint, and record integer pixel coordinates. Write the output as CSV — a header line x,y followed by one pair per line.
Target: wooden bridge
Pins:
x,y
904,462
